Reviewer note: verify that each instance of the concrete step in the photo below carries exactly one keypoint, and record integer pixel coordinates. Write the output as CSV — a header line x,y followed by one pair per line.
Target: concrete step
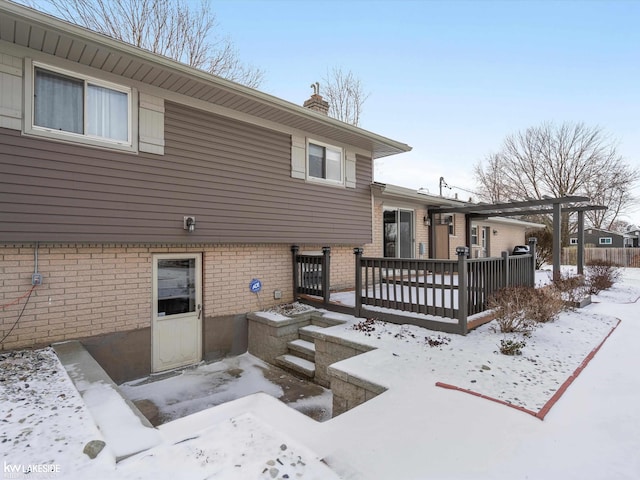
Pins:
x,y
297,365
303,349
306,333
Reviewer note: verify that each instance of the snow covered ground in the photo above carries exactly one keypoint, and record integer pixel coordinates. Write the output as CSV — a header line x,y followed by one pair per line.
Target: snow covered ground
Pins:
x,y
194,389
414,430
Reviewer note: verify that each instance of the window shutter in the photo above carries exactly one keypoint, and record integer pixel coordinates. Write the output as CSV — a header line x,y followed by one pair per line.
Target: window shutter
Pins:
x,y
298,157
151,124
350,170
10,92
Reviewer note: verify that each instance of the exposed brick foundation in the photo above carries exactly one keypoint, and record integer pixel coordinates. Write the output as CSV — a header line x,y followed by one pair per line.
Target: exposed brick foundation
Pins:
x,y
96,289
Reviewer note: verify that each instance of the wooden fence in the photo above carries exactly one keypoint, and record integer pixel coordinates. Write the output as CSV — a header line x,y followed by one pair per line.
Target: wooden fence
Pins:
x,y
622,257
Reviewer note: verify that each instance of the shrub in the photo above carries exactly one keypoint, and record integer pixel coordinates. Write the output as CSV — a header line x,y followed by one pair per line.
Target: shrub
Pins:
x,y
545,305
601,275
508,305
519,309
511,347
572,288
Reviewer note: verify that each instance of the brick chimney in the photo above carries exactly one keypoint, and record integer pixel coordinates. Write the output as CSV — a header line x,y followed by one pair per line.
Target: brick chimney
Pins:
x,y
316,102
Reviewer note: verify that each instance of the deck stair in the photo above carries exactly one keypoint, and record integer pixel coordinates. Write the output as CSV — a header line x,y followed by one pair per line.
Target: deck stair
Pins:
x,y
303,349
301,353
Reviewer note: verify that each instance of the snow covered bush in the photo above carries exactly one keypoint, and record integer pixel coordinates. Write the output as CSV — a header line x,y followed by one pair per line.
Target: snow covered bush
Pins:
x,y
510,308
511,347
572,288
520,309
545,304
601,275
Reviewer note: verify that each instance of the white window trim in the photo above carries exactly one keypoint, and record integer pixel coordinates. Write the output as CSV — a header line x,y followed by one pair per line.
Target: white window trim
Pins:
x,y
573,241
69,137
474,227
326,181
609,241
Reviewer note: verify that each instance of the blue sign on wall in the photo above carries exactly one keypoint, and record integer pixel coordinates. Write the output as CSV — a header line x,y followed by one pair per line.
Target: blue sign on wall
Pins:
x,y
255,286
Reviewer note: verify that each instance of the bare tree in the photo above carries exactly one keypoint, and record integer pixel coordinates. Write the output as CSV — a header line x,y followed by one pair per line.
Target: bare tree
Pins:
x,y
173,28
345,94
560,160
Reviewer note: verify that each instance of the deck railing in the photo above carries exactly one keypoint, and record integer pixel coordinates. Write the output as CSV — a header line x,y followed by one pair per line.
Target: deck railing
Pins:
x,y
421,286
393,289
311,273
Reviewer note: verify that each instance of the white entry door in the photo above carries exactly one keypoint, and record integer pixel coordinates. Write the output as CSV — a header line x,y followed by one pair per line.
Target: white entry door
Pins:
x,y
177,310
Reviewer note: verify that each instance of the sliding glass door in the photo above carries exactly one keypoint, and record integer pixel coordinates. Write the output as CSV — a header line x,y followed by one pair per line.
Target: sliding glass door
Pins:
x,y
398,233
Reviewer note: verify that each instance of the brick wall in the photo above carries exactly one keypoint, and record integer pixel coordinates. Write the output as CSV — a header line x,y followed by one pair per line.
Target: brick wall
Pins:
x,y
91,289
458,239
508,236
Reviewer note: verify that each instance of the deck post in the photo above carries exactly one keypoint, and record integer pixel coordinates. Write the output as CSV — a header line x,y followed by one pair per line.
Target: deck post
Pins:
x,y
294,258
557,239
462,253
326,274
580,257
505,269
358,308
532,250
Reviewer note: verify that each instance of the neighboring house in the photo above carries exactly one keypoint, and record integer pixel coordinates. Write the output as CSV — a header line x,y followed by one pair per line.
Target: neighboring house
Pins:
x,y
149,195
402,228
634,238
596,237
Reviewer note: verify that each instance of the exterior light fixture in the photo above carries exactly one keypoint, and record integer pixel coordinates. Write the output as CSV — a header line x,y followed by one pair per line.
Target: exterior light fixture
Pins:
x,y
427,221
495,232
189,223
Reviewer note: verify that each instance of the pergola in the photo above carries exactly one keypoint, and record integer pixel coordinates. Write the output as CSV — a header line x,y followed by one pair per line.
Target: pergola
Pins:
x,y
555,206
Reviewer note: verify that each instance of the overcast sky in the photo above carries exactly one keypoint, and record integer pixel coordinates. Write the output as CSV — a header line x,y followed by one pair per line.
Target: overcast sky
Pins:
x,y
453,78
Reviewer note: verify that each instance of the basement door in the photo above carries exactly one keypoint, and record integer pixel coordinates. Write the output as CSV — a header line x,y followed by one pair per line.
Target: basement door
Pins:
x,y
177,311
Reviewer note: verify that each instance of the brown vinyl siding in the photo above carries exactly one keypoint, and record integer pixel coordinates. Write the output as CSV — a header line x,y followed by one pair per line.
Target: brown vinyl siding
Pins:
x,y
234,177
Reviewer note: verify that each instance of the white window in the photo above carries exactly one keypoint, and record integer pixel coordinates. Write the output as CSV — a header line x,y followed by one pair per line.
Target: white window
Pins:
x,y
78,108
474,235
605,240
573,241
325,162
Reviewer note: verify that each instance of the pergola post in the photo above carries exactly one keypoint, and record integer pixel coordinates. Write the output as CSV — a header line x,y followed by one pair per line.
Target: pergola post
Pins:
x,y
580,256
557,239
534,260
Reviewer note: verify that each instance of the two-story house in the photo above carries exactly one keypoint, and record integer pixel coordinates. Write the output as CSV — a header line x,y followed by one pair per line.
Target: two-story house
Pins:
x,y
140,198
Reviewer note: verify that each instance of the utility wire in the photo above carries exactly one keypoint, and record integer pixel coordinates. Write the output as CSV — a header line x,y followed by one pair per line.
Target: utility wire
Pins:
x,y
28,295
17,300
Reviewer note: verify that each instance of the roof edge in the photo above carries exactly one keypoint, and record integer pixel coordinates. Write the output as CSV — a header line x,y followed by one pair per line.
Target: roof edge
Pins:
x,y
46,20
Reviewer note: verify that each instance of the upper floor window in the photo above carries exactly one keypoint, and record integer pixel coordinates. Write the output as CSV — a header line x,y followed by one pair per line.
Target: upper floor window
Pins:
x,y
82,109
325,162
606,240
573,241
